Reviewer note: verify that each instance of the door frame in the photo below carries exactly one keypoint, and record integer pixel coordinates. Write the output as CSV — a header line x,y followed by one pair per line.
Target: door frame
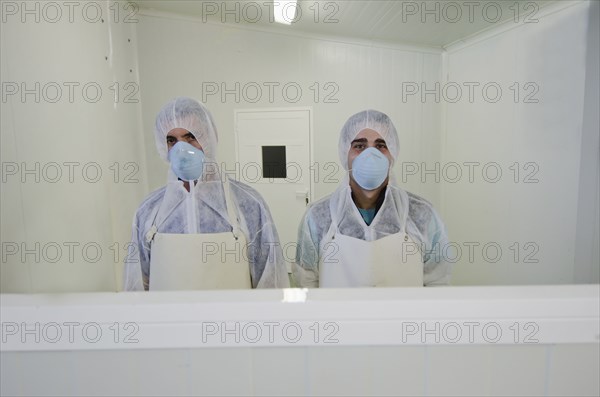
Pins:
x,y
281,109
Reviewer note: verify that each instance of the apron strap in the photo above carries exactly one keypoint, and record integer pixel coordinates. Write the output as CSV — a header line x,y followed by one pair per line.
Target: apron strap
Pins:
x,y
333,228
232,210
154,229
151,233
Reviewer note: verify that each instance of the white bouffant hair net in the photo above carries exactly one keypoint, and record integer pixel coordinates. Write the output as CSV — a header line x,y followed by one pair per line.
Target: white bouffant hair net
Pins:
x,y
187,113
368,119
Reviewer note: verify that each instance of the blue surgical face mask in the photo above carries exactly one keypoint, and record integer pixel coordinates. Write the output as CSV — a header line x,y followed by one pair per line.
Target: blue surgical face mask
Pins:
x,y
370,168
187,161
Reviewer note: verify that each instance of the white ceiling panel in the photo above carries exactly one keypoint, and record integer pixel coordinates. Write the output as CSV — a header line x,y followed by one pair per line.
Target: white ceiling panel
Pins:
x,y
426,23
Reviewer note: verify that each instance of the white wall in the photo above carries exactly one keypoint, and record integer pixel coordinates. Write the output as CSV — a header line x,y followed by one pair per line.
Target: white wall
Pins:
x,y
543,138
524,370
587,255
74,226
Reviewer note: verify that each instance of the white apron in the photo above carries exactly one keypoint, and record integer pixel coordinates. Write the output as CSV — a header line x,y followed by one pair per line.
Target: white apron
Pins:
x,y
201,260
392,261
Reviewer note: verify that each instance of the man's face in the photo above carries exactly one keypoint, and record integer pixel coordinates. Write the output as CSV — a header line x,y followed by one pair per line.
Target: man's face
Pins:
x,y
365,139
181,134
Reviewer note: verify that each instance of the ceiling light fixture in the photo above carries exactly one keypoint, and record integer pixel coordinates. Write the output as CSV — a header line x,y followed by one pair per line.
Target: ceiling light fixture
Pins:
x,y
285,11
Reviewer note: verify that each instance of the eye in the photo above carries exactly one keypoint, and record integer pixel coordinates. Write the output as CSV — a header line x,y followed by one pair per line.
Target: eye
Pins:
x,y
190,138
381,146
358,146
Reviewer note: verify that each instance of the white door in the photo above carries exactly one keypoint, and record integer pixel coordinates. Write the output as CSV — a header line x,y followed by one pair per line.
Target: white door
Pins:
x,y
273,153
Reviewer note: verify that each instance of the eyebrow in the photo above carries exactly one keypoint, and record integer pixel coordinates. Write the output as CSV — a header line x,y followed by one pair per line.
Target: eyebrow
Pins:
x,y
364,140
189,134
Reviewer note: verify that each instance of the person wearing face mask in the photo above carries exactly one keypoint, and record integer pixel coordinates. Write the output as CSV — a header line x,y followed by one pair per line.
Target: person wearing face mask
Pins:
x,y
370,232
202,230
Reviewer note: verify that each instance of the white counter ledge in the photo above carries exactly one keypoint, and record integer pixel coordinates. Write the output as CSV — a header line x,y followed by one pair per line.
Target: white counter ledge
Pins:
x,y
296,317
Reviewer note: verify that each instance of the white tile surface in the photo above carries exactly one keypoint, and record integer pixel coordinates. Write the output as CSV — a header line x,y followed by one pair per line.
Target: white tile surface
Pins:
x,y
340,371
458,370
398,370
102,373
38,374
497,370
573,370
518,370
9,370
278,371
160,372
368,370
221,371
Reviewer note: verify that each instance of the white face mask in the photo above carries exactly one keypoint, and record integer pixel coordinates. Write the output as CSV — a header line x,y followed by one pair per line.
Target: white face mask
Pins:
x,y
187,161
370,168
